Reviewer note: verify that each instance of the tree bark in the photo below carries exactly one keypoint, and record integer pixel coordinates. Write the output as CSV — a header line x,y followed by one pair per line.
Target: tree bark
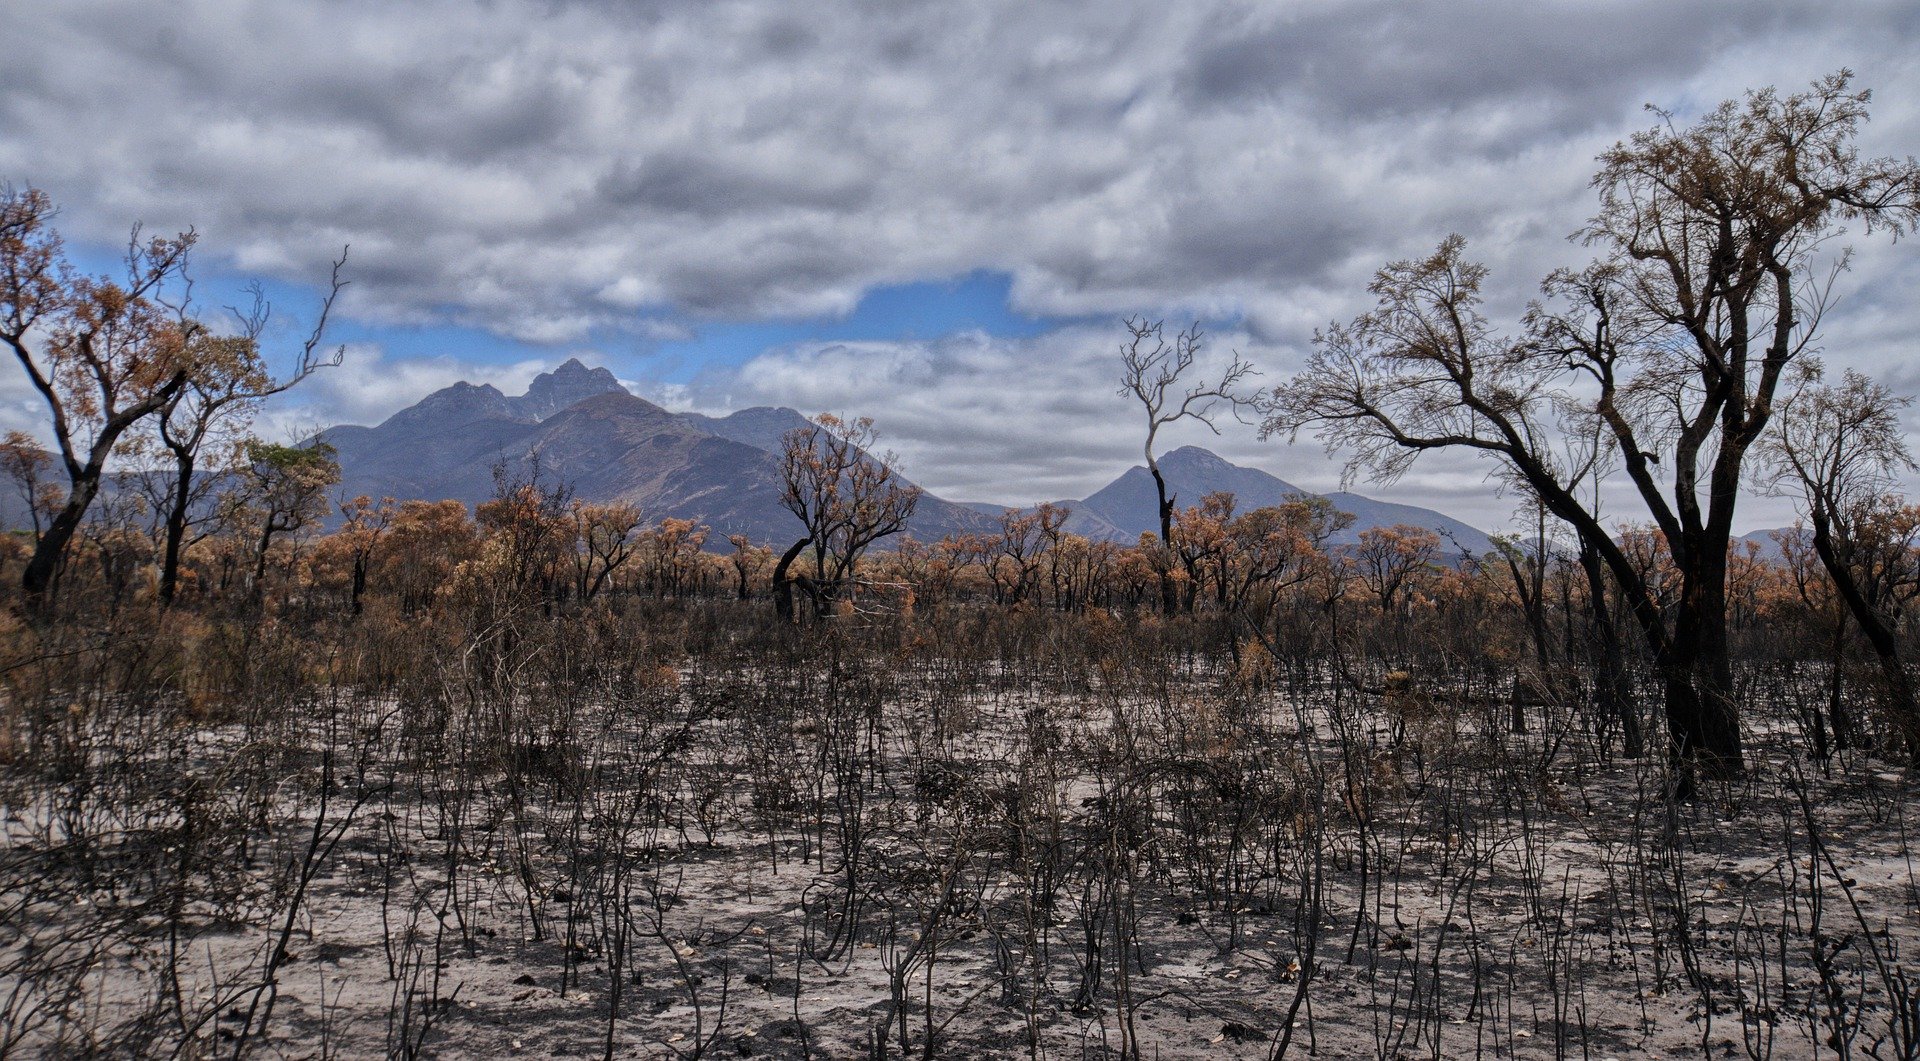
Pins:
x,y
1880,635
1705,719
356,602
44,566
1169,600
782,585
257,593
176,527
36,583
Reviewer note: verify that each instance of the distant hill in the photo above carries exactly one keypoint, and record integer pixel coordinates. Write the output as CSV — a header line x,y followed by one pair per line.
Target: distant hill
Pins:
x,y
763,427
1129,505
1769,549
586,430
985,508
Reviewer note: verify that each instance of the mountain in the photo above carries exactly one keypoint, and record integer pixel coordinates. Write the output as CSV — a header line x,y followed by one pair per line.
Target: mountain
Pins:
x,y
607,444
563,388
1768,547
1455,536
611,445
985,508
618,447
586,430
1129,505
762,427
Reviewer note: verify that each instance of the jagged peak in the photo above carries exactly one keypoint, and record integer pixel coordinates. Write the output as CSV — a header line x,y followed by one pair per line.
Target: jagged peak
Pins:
x,y
572,382
462,387
574,369
573,372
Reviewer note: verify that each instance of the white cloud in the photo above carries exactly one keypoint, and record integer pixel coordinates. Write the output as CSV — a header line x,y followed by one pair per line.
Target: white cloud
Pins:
x,y
542,168
367,387
546,169
968,422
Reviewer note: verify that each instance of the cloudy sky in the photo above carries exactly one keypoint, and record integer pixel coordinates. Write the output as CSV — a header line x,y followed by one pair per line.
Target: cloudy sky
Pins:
x,y
932,214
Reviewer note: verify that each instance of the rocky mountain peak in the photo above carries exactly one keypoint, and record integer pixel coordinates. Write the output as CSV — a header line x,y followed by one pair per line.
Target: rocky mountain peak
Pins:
x,y
572,382
450,406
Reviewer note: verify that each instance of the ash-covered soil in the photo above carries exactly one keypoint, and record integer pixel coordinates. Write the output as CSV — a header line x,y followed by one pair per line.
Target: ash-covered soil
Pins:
x,y
853,859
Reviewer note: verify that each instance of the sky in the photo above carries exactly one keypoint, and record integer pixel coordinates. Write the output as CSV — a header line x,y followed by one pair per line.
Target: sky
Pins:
x,y
936,215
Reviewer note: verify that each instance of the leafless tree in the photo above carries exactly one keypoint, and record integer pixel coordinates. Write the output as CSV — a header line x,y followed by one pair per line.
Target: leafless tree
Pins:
x,y
228,379
1151,368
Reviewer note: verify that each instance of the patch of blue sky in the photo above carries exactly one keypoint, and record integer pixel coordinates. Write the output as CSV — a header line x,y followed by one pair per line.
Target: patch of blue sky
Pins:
x,y
919,310
922,310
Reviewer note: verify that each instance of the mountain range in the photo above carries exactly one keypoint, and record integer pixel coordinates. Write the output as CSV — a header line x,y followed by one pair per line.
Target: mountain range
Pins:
x,y
587,431
608,444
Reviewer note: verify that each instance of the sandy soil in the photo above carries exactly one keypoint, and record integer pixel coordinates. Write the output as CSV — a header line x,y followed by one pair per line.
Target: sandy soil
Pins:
x,y
1477,896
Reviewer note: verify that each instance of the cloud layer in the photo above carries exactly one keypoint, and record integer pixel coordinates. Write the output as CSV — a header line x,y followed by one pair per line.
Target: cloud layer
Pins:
x,y
551,171
538,167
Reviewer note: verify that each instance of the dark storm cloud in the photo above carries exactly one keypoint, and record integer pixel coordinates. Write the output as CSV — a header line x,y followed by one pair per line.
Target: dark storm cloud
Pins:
x,y
681,182
1381,58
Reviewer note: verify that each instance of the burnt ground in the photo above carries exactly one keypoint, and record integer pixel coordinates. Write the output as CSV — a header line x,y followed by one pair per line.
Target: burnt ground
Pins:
x,y
730,863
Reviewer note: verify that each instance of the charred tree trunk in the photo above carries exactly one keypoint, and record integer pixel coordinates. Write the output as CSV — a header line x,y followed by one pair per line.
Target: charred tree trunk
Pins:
x,y
782,583
356,602
43,569
1702,731
36,583
1613,692
1716,740
1169,599
257,593
177,527
1879,634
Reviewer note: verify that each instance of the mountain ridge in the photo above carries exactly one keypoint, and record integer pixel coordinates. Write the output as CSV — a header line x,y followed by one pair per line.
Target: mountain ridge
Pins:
x,y
446,445
1129,505
580,426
